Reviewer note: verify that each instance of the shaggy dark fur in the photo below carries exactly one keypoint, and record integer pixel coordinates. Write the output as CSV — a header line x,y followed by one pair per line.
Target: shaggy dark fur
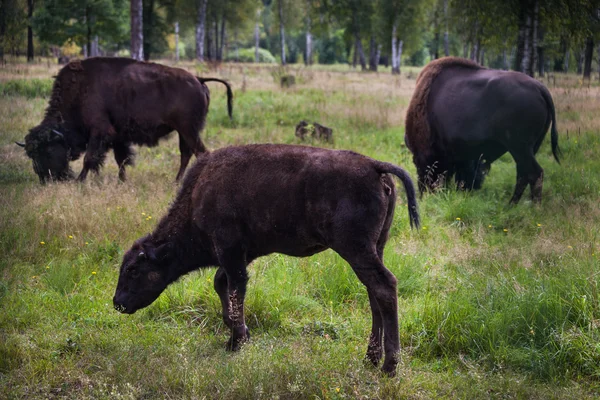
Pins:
x,y
239,203
462,117
102,103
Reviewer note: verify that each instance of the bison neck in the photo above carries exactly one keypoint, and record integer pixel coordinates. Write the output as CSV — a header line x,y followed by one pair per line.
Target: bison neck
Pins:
x,y
188,251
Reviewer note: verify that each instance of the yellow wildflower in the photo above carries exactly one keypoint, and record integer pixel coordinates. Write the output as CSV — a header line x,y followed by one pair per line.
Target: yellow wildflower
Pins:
x,y
86,243
93,272
337,390
505,230
458,218
143,213
570,247
539,224
42,243
425,227
70,236
489,226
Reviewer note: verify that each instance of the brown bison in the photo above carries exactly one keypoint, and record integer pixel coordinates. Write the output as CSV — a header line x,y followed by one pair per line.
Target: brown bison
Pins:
x,y
102,103
462,117
239,203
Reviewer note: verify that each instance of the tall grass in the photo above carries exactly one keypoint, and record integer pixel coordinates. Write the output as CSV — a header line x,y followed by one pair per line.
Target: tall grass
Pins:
x,y
495,301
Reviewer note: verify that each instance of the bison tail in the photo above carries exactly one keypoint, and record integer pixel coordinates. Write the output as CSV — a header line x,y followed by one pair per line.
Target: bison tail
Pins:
x,y
413,212
229,92
553,132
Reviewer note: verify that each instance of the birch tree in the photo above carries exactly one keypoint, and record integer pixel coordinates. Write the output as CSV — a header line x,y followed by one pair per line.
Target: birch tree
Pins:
x,y
137,35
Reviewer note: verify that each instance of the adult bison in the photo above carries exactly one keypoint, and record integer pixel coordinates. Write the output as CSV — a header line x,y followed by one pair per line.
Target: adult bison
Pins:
x,y
462,117
101,103
240,203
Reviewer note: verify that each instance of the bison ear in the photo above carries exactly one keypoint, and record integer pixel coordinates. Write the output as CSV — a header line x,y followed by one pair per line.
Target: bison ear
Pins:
x,y
20,144
163,250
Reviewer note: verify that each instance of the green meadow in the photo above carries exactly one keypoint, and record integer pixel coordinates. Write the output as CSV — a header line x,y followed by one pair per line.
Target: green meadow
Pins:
x,y
495,301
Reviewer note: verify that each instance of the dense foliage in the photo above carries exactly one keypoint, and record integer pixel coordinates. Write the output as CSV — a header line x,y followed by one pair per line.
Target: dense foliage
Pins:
x,y
527,35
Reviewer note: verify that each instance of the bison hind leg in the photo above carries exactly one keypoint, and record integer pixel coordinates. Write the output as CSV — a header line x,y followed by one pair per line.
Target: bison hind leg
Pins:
x,y
529,172
124,155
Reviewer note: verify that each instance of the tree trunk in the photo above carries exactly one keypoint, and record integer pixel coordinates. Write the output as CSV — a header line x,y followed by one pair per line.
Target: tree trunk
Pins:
x,y
281,32
372,54
200,30
222,44
395,65
399,54
137,33
540,54
95,47
308,58
566,61
308,53
209,40
465,50
361,53
29,31
446,36
256,42
589,53
2,30
216,28
580,62
531,41
176,41
482,56
88,21
518,60
474,50
355,55
526,61
504,58
598,55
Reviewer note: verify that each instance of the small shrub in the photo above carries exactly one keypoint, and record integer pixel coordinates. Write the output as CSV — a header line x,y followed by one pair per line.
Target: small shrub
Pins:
x,y
247,56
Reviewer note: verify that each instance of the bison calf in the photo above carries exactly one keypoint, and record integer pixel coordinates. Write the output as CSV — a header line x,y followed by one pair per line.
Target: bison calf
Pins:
x,y
102,103
240,203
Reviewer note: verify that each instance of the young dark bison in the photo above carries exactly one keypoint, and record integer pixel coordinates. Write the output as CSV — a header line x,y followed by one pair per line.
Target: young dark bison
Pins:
x,y
102,103
240,203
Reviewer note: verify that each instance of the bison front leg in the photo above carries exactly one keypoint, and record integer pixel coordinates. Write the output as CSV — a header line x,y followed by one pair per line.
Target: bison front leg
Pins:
x,y
230,284
94,155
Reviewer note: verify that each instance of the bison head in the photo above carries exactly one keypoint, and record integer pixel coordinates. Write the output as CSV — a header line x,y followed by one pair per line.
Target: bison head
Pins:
x,y
143,277
49,152
471,174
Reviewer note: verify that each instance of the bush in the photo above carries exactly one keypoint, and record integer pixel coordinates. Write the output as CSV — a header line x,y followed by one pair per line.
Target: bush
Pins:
x,y
247,55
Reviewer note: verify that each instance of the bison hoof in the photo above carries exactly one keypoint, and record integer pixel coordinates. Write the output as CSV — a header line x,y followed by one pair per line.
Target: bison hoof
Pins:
x,y
373,356
391,371
235,342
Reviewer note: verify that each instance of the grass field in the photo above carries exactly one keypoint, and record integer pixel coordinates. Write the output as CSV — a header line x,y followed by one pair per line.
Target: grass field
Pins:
x,y
495,301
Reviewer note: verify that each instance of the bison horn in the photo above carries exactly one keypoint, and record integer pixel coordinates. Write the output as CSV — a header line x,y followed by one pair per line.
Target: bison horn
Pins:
x,y
20,144
58,133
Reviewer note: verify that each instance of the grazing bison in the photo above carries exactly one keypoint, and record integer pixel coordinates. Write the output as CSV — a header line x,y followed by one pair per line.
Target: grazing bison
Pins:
x,y
101,103
462,117
240,203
